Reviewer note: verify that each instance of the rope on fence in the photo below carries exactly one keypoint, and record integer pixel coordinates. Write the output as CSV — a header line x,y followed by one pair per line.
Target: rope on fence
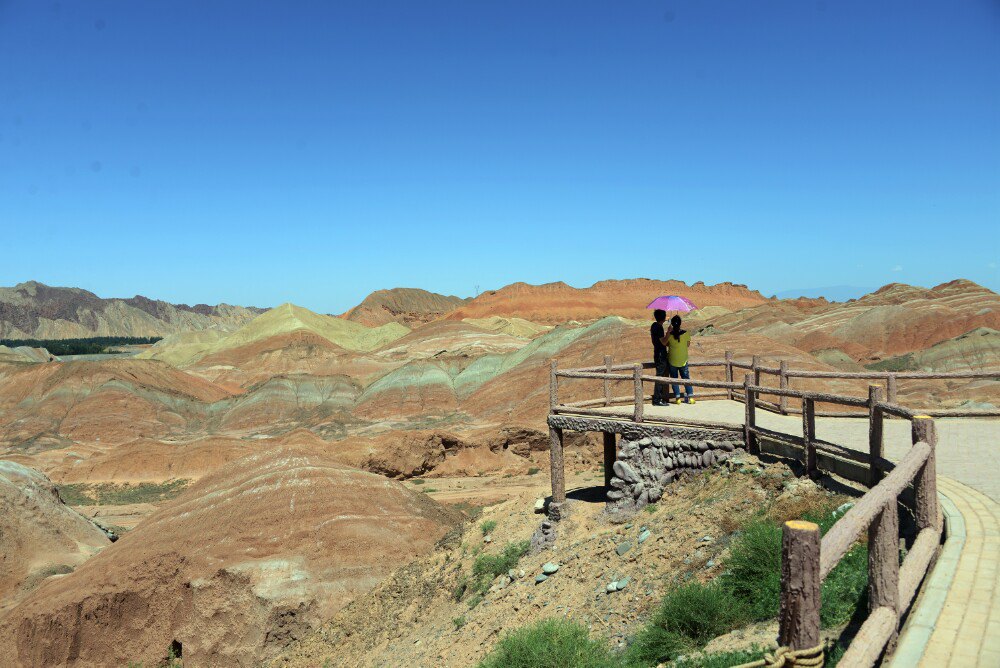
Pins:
x,y
785,657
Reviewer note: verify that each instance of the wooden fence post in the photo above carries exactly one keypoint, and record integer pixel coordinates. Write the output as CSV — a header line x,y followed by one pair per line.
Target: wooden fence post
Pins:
x,y
610,455
809,436
891,388
875,419
553,386
783,384
883,564
729,373
750,417
925,482
556,463
637,382
607,382
754,364
800,585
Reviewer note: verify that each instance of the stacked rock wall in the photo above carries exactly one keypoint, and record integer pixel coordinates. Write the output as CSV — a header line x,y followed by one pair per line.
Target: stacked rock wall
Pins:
x,y
645,466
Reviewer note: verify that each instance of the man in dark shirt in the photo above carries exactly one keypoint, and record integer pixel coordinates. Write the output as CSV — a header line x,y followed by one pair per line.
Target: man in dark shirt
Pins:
x,y
661,391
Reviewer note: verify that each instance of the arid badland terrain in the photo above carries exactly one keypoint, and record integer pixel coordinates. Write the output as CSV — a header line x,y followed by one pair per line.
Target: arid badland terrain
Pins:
x,y
286,487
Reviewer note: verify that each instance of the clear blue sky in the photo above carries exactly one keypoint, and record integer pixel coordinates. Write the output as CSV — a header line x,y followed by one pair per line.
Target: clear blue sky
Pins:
x,y
257,153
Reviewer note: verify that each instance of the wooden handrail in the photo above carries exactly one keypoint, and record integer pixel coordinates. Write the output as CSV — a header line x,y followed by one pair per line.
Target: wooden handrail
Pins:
x,y
849,528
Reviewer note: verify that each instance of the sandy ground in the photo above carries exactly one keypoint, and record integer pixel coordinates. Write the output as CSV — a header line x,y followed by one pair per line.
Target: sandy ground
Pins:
x,y
968,449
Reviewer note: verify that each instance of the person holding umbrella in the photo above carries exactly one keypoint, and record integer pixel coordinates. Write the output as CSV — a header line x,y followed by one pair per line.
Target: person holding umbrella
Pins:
x,y
678,341
668,348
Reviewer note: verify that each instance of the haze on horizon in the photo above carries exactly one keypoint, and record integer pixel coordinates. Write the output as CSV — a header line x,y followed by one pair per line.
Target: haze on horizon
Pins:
x,y
262,153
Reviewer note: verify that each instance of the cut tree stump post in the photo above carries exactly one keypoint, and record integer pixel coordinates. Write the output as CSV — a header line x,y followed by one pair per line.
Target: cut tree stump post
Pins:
x,y
610,455
925,482
809,436
749,417
607,382
883,564
553,385
875,420
556,462
755,369
729,373
800,585
783,384
891,388
637,383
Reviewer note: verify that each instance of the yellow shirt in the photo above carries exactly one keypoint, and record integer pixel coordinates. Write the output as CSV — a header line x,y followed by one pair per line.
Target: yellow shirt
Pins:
x,y
677,351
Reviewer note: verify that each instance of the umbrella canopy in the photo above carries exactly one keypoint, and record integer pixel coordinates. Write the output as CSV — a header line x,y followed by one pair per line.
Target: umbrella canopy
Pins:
x,y
673,303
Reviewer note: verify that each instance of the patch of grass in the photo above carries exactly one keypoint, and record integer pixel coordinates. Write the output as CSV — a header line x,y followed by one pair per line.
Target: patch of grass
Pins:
x,y
753,571
550,643
651,508
653,645
75,494
720,659
690,615
418,481
476,599
898,363
470,510
533,471
429,490
492,565
120,494
459,622
488,526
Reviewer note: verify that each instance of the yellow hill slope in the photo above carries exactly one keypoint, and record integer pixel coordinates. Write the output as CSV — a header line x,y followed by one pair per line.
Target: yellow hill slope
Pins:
x,y
283,319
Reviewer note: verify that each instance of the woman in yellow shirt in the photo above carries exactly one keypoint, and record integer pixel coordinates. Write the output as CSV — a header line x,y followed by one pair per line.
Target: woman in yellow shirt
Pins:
x,y
678,341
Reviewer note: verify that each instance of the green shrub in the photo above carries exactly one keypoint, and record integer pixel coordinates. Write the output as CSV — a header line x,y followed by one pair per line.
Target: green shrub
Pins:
x,y
488,526
720,659
551,643
488,566
533,470
700,611
655,644
753,570
459,622
418,481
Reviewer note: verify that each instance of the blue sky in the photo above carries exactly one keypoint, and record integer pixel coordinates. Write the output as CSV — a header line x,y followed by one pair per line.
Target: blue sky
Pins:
x,y
312,152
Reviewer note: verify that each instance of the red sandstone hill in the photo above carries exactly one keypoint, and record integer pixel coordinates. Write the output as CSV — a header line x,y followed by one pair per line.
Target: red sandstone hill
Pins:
x,y
555,303
242,563
409,306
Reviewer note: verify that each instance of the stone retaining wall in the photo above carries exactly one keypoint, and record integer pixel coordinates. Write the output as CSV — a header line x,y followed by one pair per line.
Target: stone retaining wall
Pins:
x,y
644,467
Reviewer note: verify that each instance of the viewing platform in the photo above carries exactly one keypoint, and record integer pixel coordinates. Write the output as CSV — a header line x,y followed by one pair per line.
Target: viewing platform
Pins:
x,y
892,453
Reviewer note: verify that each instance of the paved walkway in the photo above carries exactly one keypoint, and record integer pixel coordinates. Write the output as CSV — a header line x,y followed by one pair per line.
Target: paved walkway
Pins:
x,y
968,449
957,619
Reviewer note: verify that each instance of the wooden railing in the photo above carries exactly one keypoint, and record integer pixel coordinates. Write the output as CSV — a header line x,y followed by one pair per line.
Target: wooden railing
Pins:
x,y
806,559
609,372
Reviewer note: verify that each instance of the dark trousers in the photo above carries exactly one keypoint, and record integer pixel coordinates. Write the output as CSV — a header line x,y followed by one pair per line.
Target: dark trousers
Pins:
x,y
661,391
681,372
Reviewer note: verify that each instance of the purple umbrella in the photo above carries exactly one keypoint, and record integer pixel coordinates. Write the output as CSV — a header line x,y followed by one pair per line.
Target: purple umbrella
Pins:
x,y
673,303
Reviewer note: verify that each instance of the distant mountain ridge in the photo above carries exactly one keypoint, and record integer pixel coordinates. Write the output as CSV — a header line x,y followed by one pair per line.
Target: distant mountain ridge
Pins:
x,y
33,310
